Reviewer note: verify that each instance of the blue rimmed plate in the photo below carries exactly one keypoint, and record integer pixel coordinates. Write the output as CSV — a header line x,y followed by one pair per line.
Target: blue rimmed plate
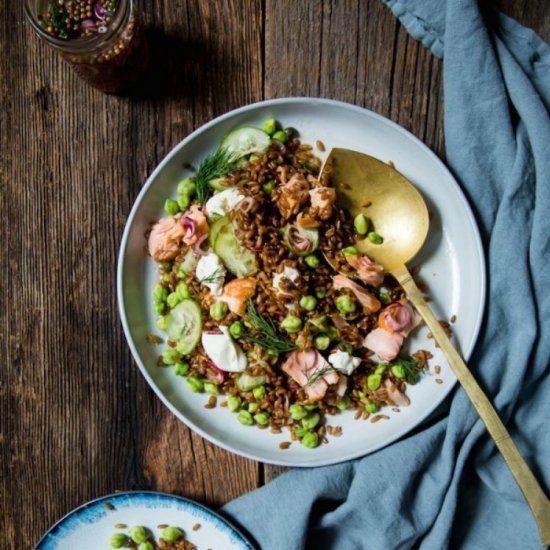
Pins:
x,y
90,526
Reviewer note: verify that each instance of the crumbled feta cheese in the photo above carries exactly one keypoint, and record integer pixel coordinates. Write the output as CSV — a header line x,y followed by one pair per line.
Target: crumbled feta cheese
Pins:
x,y
211,272
288,273
224,351
224,201
342,361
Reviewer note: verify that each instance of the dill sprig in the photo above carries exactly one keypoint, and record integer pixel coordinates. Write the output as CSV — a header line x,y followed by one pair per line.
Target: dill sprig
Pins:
x,y
317,374
213,277
219,164
269,336
409,369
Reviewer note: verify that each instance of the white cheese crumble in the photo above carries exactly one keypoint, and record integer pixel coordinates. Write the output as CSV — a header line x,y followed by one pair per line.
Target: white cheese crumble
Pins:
x,y
288,273
211,272
223,202
224,351
342,361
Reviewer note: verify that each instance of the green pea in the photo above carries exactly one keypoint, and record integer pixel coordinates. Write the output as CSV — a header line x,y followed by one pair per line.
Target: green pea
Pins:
x,y
244,417
321,292
218,310
186,186
380,369
183,202
173,300
361,224
280,136
163,322
236,330
312,261
159,307
171,534
270,126
258,392
183,292
171,207
343,404
160,293
310,440
119,540
262,418
385,297
345,304
322,342
373,381
234,403
297,411
311,420
309,303
170,356
375,238
291,323
138,533
398,371
146,546
211,388
181,369
268,186
350,250
196,385
371,408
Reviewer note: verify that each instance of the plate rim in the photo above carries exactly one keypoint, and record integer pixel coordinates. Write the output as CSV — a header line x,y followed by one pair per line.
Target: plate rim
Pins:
x,y
251,107
136,493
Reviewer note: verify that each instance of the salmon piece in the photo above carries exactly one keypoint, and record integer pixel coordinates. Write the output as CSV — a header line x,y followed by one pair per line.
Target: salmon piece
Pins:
x,y
200,223
305,221
366,299
397,396
386,345
399,317
322,199
292,195
368,271
236,293
306,367
165,239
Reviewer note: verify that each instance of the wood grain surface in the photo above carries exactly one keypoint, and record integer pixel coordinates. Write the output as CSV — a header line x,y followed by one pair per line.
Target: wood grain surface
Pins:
x,y
77,419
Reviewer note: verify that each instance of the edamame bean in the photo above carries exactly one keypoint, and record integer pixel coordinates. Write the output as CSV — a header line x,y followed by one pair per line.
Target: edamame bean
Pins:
x,y
171,207
159,307
297,412
253,407
312,261
181,369
211,388
270,126
350,250
262,418
321,342
373,381
361,224
343,404
218,310
146,546
170,356
345,304
321,292
236,329
234,403
173,300
196,385
291,323
183,292
183,201
244,417
138,533
280,136
380,369
398,371
163,322
384,297
269,186
118,540
371,408
258,392
160,293
311,420
375,238
310,440
186,186
171,534
309,303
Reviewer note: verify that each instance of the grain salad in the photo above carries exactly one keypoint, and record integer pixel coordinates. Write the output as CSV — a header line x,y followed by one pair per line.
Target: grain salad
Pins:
x,y
264,299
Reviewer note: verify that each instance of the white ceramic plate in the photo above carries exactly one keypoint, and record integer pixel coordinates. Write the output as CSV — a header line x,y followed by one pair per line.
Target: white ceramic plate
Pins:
x,y
90,526
452,265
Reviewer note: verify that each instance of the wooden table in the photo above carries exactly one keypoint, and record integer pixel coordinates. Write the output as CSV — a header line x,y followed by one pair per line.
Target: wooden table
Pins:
x,y
77,418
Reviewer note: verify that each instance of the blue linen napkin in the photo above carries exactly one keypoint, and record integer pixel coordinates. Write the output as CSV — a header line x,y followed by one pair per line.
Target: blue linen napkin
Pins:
x,y
446,485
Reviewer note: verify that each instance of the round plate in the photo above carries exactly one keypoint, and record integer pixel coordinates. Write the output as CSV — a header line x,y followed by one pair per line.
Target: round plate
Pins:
x,y
90,526
452,266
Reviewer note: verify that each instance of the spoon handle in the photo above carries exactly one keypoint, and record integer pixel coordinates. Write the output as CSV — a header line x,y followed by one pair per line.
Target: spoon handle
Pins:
x,y
532,491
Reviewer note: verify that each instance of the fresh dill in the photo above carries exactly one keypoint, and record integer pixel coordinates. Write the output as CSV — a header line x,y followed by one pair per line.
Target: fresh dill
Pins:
x,y
269,337
319,373
219,164
213,277
409,368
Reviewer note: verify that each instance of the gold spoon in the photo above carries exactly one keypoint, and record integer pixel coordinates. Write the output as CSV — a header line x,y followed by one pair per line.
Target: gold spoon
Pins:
x,y
399,214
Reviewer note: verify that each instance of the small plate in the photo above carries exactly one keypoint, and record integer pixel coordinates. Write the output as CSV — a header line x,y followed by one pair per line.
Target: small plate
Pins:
x,y
90,526
452,266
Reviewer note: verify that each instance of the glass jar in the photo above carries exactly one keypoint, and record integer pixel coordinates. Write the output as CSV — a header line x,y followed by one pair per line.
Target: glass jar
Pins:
x,y
111,57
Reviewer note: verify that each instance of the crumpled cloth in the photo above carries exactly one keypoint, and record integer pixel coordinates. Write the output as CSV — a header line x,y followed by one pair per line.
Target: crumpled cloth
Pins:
x,y
446,485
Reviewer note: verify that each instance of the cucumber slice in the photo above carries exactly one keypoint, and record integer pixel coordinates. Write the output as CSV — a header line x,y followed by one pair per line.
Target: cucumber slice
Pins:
x,y
185,326
216,227
245,141
237,259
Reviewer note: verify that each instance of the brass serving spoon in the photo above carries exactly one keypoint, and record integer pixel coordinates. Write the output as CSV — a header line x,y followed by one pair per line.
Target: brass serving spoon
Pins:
x,y
399,214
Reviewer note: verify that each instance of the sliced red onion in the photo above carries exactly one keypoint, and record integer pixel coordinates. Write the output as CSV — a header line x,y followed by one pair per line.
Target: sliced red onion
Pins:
x,y
99,11
197,246
254,248
88,24
246,204
397,316
219,378
189,224
297,241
